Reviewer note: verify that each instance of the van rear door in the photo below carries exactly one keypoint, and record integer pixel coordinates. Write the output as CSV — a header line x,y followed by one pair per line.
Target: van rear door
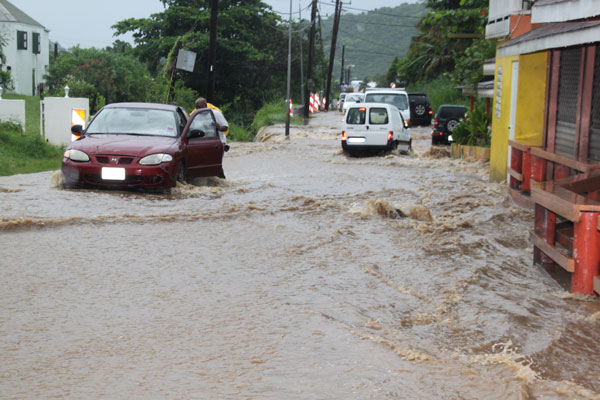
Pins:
x,y
356,126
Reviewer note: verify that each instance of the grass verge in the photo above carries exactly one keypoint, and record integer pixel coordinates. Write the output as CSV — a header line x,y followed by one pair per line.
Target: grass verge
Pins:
x,y
23,154
271,114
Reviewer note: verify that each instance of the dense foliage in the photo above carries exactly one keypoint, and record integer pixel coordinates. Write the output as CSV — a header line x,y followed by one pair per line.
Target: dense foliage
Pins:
x,y
103,75
450,41
252,48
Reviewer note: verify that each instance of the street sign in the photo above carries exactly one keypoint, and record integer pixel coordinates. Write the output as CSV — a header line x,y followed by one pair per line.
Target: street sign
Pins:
x,y
186,60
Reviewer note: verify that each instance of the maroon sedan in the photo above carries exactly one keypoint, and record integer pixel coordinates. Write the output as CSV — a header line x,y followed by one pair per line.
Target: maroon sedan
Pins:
x,y
144,145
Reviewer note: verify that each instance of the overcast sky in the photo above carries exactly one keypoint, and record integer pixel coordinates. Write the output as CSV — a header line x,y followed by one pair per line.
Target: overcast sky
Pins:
x,y
88,22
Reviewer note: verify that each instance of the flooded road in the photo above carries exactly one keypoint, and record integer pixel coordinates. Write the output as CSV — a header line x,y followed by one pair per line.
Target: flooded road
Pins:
x,y
295,278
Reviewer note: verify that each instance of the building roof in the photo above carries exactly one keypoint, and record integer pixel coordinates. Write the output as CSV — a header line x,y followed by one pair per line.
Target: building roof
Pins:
x,y
546,2
552,36
10,13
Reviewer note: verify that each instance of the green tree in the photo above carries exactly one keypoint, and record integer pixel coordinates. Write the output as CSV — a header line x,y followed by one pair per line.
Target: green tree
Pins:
x,y
5,79
450,41
251,60
103,75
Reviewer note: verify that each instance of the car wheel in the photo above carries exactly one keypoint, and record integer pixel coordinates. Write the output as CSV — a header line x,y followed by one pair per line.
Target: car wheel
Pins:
x,y
181,173
434,141
451,124
420,109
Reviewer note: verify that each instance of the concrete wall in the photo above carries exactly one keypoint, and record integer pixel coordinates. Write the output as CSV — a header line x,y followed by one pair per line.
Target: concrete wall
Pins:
x,y
13,111
57,117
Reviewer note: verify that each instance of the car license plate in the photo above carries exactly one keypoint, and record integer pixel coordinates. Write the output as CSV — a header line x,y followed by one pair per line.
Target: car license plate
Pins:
x,y
113,174
356,140
449,138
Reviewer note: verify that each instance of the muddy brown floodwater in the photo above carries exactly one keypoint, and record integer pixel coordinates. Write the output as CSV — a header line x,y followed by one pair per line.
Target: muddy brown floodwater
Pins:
x,y
294,278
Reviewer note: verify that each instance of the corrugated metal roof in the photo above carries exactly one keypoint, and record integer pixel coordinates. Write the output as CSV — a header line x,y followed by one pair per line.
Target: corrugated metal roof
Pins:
x,y
10,13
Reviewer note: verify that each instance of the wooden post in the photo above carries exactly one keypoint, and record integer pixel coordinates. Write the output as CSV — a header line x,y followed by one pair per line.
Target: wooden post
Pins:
x,y
527,172
538,169
545,227
561,171
516,164
586,252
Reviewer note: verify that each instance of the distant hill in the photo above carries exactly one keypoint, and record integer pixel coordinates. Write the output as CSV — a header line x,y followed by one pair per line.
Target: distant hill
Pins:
x,y
373,38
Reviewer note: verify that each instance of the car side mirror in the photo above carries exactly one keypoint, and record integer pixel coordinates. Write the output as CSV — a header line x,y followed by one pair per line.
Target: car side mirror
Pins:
x,y
77,131
196,133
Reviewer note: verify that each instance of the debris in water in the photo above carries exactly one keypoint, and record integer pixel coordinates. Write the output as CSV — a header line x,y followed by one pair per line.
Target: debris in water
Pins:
x,y
436,152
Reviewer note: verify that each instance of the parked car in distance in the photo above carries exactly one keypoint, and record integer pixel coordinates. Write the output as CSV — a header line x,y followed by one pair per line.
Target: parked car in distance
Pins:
x,y
420,109
351,99
144,145
444,122
341,101
374,127
395,97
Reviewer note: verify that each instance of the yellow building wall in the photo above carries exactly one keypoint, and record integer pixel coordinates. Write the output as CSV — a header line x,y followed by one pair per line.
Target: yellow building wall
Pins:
x,y
501,118
529,119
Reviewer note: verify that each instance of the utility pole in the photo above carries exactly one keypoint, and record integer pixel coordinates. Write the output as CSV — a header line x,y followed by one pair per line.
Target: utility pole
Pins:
x,y
311,50
336,24
212,51
342,74
301,59
289,76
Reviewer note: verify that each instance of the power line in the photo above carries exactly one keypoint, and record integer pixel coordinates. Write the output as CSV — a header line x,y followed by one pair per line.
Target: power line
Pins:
x,y
376,12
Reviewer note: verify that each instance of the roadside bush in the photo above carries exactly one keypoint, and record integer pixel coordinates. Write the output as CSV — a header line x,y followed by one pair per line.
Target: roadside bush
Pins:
x,y
239,133
474,129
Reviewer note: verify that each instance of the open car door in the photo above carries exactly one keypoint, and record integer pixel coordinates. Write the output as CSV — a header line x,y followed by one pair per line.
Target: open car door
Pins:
x,y
204,149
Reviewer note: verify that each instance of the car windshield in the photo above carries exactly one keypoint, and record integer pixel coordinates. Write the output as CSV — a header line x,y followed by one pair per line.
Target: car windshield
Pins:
x,y
397,99
353,97
134,121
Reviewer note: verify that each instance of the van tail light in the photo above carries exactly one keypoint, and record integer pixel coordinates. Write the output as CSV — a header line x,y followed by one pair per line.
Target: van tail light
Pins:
x,y
430,111
435,123
390,136
344,136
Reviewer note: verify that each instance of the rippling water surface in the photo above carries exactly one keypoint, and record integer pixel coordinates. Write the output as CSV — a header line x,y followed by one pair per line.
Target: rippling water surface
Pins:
x,y
305,274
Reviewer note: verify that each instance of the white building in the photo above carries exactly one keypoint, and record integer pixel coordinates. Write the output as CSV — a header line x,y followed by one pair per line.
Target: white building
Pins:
x,y
26,49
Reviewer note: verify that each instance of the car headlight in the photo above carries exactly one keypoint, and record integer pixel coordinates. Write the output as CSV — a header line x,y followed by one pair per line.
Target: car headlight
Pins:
x,y
76,155
155,159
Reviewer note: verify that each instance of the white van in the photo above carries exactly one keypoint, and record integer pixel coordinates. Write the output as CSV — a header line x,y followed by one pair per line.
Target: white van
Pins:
x,y
375,127
396,97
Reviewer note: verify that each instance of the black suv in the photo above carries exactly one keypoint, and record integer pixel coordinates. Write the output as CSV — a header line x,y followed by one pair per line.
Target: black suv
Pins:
x,y
420,109
446,119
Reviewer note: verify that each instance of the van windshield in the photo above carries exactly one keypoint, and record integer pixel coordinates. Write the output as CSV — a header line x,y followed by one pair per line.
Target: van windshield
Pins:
x,y
397,99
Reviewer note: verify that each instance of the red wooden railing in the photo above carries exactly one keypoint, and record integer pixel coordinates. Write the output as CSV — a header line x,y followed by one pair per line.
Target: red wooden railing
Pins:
x,y
565,195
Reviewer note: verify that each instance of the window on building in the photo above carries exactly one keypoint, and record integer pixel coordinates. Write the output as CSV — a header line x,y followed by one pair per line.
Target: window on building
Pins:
x,y
21,40
36,43
568,88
